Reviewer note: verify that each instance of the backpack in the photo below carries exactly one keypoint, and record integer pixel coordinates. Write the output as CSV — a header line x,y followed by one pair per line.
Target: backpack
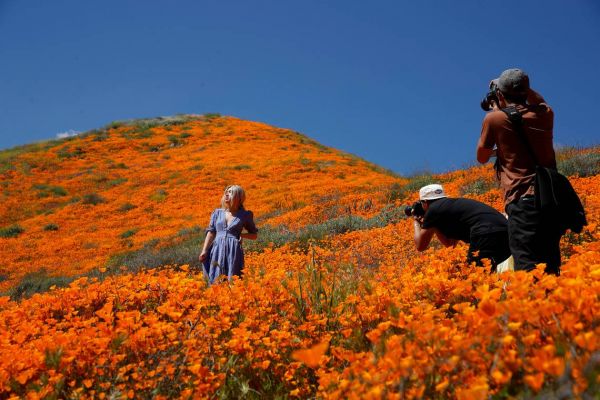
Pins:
x,y
554,194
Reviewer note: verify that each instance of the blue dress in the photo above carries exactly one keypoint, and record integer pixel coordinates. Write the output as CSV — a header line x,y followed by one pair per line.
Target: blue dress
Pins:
x,y
225,256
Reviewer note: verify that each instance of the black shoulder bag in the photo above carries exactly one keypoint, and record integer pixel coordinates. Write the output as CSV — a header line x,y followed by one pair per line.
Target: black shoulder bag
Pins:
x,y
554,194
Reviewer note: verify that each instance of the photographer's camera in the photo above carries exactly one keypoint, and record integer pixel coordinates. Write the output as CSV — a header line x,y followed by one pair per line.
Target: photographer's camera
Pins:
x,y
416,210
491,96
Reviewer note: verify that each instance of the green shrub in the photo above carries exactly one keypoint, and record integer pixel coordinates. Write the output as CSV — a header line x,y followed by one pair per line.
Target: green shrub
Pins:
x,y
241,167
115,125
128,233
118,166
47,190
126,207
184,248
580,164
178,140
100,136
478,186
93,199
186,232
211,116
148,257
66,152
416,182
280,235
11,231
395,192
159,196
51,227
138,132
115,182
37,282
175,141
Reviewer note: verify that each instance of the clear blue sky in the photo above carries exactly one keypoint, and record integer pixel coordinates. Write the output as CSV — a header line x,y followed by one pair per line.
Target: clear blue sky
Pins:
x,y
396,82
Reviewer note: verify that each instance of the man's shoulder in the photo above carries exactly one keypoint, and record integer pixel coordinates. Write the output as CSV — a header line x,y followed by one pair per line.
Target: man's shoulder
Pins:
x,y
440,204
541,108
495,117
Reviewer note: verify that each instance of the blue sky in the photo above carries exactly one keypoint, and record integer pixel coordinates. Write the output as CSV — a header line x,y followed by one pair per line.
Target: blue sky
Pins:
x,y
396,82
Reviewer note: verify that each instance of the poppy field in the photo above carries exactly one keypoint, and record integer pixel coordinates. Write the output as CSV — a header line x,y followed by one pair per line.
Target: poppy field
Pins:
x,y
335,302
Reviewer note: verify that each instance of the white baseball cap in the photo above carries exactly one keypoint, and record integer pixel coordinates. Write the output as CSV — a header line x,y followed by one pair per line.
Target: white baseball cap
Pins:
x,y
432,192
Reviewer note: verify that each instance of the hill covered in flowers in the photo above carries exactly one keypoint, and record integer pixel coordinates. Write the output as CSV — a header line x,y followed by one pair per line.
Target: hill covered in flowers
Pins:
x,y
67,206
334,303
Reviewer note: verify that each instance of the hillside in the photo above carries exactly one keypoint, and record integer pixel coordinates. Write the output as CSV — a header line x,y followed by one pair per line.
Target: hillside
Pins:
x,y
82,200
335,302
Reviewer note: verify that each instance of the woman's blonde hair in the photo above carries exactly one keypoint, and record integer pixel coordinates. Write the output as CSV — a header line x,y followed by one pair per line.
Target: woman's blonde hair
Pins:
x,y
238,196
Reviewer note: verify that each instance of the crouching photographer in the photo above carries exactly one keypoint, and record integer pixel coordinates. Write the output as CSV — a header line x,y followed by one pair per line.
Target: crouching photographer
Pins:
x,y
454,219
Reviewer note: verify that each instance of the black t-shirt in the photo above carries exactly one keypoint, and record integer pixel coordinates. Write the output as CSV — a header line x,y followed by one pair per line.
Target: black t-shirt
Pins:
x,y
463,218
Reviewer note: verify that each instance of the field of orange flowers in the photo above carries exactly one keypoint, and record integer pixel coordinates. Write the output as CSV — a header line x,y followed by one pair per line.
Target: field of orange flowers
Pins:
x,y
358,315
81,200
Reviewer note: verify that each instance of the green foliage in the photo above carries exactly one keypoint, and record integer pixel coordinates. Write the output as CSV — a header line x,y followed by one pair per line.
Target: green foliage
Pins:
x,y
211,116
580,164
178,140
152,148
128,233
126,207
115,125
190,232
323,165
159,196
241,167
175,140
416,182
151,256
9,157
47,190
51,227
115,182
185,247
142,126
478,186
67,152
11,231
277,236
37,282
93,199
52,358
118,166
140,131
99,135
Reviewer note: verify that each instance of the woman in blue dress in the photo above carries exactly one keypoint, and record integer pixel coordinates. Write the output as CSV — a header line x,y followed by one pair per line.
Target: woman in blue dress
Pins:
x,y
222,252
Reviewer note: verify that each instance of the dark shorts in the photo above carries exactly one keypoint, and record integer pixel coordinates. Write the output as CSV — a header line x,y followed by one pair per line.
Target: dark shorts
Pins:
x,y
533,236
493,246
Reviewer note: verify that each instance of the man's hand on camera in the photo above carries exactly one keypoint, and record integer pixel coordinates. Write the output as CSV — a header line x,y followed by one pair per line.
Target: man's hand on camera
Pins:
x,y
419,219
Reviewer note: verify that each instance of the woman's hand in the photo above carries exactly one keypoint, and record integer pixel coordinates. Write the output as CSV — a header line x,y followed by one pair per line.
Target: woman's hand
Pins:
x,y
203,255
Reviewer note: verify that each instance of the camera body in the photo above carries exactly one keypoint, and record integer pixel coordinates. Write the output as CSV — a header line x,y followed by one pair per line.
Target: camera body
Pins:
x,y
486,103
416,210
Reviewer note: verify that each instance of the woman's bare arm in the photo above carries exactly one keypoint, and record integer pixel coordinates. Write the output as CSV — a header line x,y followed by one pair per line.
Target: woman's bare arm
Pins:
x,y
210,237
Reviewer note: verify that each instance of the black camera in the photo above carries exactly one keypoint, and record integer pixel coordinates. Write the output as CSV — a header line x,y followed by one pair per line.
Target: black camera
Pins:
x,y
416,210
486,103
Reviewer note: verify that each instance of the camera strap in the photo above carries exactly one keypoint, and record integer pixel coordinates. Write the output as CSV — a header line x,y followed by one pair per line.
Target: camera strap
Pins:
x,y
516,119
